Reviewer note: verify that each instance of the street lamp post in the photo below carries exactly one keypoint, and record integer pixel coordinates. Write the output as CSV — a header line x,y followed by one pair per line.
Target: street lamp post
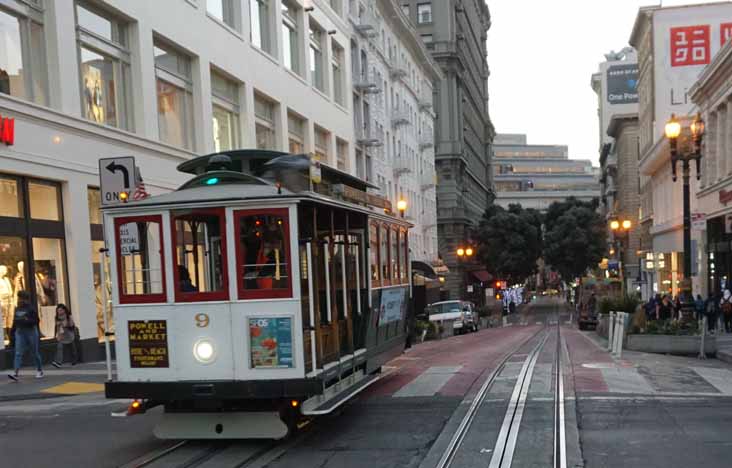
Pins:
x,y
463,253
686,154
621,228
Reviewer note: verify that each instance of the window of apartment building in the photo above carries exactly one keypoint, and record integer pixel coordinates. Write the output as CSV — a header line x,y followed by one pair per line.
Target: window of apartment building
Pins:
x,y
359,164
338,75
424,13
104,61
23,71
290,35
317,75
225,97
296,133
337,6
259,16
342,153
175,96
264,112
405,9
321,144
224,11
427,38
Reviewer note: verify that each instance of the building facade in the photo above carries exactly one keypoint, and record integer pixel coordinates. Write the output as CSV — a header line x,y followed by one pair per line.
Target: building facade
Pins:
x,y
669,64
455,32
163,81
394,119
713,96
535,176
615,84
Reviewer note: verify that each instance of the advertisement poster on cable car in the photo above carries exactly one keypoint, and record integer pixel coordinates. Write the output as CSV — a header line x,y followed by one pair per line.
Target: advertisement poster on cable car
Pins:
x,y
392,301
270,340
148,343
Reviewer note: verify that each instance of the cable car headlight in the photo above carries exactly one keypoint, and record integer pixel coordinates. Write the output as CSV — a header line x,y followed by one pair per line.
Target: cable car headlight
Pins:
x,y
204,351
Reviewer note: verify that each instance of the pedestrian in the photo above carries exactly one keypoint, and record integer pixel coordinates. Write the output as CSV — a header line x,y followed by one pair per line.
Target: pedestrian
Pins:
x,y
25,323
511,307
666,309
658,302
65,336
712,311
650,309
725,305
699,307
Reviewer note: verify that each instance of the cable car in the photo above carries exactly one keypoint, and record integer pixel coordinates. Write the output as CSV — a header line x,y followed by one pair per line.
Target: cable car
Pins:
x,y
252,297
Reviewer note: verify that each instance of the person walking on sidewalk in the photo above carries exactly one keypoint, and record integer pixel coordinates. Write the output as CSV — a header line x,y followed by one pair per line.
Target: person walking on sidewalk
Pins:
x,y
65,335
25,322
725,305
712,311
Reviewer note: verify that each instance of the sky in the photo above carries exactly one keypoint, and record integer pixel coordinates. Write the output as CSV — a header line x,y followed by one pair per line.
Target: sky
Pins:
x,y
542,55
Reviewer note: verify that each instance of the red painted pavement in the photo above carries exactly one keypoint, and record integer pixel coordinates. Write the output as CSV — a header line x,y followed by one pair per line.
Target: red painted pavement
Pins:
x,y
475,352
583,351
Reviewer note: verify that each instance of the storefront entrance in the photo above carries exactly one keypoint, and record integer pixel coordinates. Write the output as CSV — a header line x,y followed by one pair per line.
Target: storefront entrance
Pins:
x,y
32,249
719,254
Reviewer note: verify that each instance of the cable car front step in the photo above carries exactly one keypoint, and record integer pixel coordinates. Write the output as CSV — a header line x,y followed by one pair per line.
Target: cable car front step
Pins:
x,y
339,393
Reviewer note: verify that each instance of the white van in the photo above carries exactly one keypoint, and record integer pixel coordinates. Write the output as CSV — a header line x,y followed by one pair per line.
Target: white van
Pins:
x,y
462,314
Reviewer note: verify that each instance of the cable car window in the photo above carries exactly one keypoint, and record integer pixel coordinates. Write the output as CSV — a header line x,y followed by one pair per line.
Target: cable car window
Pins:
x,y
374,254
404,255
384,254
263,254
394,258
199,268
140,259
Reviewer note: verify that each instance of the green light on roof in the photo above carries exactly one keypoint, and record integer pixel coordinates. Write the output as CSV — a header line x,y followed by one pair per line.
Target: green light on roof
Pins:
x,y
212,181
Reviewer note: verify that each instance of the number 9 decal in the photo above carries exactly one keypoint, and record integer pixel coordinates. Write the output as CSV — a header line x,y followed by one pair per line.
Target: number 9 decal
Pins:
x,y
202,320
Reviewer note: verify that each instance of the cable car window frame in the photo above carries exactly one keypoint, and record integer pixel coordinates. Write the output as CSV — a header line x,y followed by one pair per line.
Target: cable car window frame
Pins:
x,y
154,298
249,294
198,296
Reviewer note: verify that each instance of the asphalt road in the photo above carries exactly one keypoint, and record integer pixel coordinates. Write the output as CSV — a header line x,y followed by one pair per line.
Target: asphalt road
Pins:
x,y
649,411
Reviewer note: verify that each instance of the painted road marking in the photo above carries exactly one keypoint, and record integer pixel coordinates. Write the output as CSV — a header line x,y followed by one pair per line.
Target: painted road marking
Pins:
x,y
429,383
721,379
75,388
624,380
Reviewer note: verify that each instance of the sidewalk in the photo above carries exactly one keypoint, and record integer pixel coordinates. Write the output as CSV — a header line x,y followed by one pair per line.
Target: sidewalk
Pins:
x,y
67,381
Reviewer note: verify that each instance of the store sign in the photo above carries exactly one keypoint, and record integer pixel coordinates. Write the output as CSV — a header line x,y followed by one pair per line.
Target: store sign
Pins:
x,y
270,342
148,343
129,239
699,221
7,130
685,42
622,84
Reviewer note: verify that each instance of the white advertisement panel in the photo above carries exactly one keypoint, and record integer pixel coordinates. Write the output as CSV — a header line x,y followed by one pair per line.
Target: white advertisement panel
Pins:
x,y
685,41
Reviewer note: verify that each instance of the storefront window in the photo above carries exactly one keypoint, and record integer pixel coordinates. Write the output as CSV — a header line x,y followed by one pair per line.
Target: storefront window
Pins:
x,y
140,259
200,255
44,200
263,254
13,274
11,203
175,97
98,294
94,200
50,281
22,61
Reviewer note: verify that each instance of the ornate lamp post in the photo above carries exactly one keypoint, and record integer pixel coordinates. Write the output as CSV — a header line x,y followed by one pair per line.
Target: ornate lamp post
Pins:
x,y
463,253
621,229
686,144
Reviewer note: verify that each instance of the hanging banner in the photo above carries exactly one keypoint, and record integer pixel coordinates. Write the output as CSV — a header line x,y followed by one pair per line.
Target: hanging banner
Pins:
x,y
148,343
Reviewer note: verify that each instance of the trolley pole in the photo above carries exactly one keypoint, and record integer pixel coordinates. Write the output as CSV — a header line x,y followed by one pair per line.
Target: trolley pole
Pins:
x,y
105,303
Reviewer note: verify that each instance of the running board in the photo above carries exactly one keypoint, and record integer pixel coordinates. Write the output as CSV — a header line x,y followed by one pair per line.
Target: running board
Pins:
x,y
339,393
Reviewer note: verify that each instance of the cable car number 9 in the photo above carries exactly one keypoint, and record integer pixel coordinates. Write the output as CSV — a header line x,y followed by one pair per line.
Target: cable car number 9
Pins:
x,y
202,320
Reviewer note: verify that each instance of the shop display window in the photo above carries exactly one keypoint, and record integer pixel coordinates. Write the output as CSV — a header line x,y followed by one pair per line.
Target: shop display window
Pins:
x,y
49,276
11,201
45,200
140,259
13,274
199,268
263,254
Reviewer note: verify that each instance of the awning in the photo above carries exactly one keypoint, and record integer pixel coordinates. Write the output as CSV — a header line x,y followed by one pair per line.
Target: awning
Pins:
x,y
425,269
482,276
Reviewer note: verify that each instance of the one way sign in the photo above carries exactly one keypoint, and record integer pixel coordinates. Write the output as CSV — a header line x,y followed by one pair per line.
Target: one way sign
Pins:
x,y
116,175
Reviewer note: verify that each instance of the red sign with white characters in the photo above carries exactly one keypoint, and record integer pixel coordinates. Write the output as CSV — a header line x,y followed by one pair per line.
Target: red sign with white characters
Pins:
x,y
7,130
690,45
725,33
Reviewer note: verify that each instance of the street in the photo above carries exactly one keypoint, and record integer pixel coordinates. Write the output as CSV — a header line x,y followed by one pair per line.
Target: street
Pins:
x,y
642,410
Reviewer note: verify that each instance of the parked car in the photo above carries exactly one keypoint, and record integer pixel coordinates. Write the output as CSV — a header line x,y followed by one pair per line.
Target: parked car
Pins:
x,y
462,314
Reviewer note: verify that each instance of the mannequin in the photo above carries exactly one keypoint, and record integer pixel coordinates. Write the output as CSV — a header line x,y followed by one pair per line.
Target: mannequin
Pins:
x,y
6,299
19,281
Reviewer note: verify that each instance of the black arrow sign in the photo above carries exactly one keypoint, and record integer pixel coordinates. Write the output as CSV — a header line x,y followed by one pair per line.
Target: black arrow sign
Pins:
x,y
114,167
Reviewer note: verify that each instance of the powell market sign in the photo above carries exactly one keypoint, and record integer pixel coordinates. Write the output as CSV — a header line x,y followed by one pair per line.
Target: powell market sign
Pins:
x,y
7,130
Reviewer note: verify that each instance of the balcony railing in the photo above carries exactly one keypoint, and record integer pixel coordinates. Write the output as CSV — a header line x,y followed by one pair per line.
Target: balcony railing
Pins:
x,y
369,138
401,166
399,118
426,142
365,23
367,84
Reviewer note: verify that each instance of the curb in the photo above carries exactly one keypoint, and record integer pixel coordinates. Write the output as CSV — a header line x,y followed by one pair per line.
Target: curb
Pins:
x,y
32,396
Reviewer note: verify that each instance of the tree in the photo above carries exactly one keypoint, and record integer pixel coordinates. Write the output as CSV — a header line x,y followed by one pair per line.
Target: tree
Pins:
x,y
510,242
575,237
